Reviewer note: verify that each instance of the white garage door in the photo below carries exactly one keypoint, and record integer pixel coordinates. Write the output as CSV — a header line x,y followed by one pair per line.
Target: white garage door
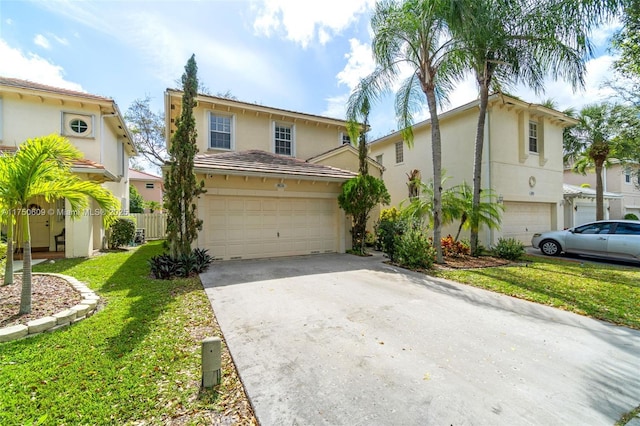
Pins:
x,y
522,220
584,213
254,227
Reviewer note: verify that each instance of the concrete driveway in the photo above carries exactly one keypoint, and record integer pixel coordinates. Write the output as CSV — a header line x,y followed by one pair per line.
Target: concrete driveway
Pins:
x,y
342,340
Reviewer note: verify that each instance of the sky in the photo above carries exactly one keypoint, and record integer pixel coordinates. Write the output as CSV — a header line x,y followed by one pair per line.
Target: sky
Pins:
x,y
304,56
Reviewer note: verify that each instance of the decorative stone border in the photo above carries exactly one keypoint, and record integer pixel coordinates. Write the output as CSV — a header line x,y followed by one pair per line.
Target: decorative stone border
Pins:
x,y
87,306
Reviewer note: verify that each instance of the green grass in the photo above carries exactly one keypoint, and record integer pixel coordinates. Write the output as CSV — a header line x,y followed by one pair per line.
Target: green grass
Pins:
x,y
137,359
604,292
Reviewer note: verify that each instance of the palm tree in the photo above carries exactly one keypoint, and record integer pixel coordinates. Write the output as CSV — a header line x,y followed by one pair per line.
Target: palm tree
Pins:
x,y
604,131
413,33
41,168
503,42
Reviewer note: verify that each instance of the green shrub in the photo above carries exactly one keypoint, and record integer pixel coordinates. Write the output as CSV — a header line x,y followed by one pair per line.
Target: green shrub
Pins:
x,y
165,267
509,248
630,216
121,233
369,239
414,250
387,230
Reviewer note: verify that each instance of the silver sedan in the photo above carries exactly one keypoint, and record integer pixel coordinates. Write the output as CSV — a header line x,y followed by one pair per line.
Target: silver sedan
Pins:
x,y
614,239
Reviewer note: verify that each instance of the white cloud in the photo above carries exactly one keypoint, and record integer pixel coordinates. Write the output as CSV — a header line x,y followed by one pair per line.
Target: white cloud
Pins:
x,y
41,41
63,41
304,21
601,36
360,63
9,21
32,67
336,106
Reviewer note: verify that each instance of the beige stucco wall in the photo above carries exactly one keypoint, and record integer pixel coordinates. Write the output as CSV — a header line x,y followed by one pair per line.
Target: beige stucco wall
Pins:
x,y
31,116
253,126
273,187
148,194
507,165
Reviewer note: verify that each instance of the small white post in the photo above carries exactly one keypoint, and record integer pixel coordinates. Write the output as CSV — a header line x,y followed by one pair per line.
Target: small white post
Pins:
x,y
211,361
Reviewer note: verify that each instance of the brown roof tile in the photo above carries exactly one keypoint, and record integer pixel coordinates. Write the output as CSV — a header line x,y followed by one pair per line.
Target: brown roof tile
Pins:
x,y
26,84
265,163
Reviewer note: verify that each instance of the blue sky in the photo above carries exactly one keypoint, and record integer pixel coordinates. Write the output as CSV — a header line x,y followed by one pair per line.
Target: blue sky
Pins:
x,y
300,55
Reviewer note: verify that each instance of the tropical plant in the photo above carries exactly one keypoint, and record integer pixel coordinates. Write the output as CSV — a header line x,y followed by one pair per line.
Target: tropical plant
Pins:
x,y
153,206
505,42
180,180
358,197
414,33
604,131
41,168
631,216
390,226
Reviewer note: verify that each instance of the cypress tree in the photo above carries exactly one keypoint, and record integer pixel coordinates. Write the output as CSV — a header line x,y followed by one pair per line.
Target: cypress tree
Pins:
x,y
182,190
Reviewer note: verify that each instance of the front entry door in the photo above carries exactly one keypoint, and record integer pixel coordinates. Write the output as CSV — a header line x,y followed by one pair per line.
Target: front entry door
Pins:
x,y
39,221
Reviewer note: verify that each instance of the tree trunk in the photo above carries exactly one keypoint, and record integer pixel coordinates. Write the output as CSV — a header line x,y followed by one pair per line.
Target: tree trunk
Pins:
x,y
25,296
8,267
436,152
477,165
599,190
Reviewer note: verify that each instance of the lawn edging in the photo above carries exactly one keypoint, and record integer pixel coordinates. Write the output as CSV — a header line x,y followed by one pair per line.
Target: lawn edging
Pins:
x,y
87,306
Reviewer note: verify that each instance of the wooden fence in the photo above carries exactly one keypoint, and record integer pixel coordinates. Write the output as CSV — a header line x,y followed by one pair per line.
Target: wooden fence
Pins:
x,y
154,224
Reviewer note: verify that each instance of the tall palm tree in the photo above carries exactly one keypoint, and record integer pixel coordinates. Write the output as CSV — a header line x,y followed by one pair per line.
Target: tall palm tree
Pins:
x,y
603,132
504,42
413,33
41,168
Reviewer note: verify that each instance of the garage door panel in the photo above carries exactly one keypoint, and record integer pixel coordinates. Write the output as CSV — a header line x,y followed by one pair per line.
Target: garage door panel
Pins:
x,y
253,227
521,220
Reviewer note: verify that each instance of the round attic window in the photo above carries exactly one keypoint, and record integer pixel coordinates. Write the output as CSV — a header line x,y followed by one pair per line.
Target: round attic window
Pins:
x,y
78,126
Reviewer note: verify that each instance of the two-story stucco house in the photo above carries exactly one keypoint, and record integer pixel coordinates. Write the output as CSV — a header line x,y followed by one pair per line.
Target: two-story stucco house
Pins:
x,y
272,178
622,193
95,126
522,162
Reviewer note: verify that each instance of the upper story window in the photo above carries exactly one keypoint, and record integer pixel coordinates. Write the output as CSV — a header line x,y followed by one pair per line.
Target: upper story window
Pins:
x,y
220,131
379,159
627,176
148,185
346,139
283,139
77,125
533,137
399,152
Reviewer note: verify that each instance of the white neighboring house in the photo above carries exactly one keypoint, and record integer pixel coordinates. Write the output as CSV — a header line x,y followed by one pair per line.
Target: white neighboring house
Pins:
x,y
620,181
96,127
580,204
522,162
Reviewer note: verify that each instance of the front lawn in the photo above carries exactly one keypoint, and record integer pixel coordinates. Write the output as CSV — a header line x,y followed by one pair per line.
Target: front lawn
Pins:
x,y
135,361
604,292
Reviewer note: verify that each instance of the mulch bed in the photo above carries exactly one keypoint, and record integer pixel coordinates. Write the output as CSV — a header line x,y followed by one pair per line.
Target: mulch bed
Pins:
x,y
49,296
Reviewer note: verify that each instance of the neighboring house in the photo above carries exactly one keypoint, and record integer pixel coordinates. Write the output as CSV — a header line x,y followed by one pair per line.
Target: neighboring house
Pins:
x,y
96,127
617,179
522,162
272,177
580,204
150,187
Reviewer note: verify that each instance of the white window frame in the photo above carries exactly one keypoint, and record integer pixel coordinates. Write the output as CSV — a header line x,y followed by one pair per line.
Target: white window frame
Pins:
x,y
536,137
379,159
399,150
291,126
627,177
68,117
232,131
344,135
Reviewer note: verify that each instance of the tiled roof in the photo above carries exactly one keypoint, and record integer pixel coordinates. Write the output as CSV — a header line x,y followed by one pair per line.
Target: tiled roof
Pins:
x,y
26,84
265,164
138,175
578,191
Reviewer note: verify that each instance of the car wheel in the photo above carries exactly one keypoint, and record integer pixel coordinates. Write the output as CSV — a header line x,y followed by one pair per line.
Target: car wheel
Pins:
x,y
550,248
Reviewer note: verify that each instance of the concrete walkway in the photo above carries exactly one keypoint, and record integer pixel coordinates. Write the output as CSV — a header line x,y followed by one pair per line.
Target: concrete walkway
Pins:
x,y
342,340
